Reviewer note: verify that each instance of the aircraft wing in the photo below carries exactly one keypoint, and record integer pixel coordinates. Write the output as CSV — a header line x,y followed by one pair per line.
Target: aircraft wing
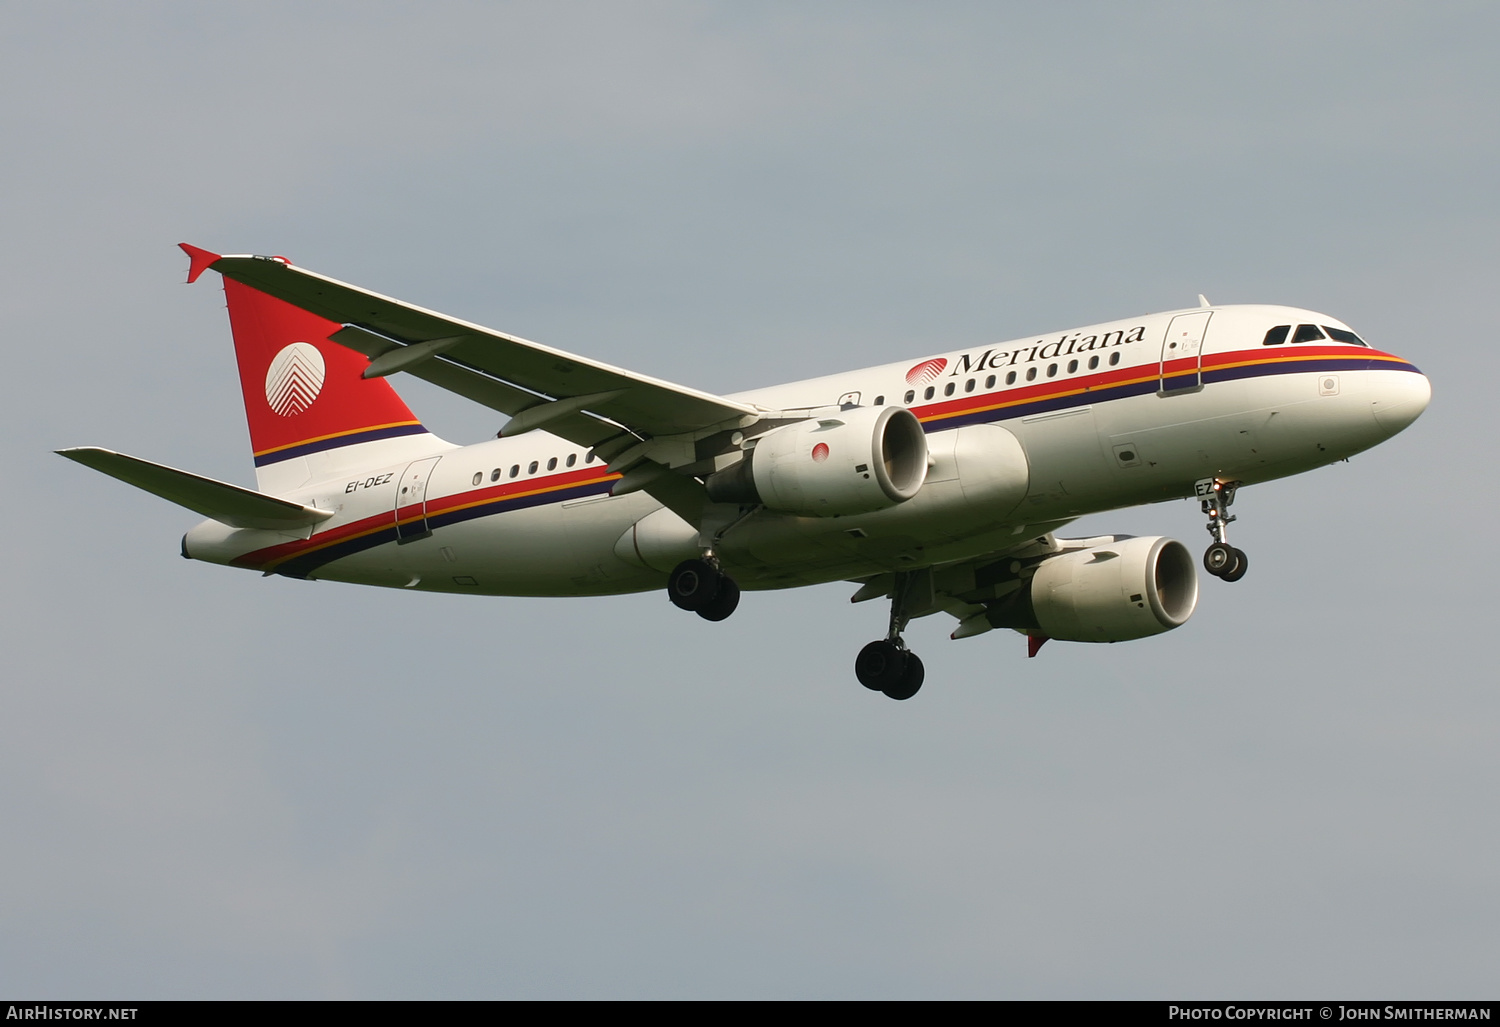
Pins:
x,y
584,401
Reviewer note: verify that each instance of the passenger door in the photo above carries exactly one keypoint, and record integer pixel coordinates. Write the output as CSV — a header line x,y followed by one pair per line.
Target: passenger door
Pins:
x,y
1182,352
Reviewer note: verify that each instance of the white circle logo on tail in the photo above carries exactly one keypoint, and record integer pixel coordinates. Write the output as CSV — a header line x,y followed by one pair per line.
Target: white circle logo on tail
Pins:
x,y
294,379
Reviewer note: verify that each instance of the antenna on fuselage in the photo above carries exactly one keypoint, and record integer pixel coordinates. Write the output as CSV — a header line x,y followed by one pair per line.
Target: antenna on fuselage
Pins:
x,y
1203,301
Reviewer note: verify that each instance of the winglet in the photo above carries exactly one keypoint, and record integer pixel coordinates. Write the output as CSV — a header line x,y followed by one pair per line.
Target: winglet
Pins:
x,y
201,260
1034,645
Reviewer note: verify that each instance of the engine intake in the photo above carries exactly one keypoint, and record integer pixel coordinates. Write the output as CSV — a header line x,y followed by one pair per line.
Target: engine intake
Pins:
x,y
1127,589
859,461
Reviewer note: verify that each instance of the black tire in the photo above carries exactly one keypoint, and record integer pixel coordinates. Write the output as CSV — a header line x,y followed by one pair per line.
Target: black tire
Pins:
x,y
880,665
1218,558
693,585
911,679
723,603
1241,565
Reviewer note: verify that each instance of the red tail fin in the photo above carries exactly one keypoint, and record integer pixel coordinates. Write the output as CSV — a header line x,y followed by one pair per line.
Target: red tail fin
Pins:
x,y
304,394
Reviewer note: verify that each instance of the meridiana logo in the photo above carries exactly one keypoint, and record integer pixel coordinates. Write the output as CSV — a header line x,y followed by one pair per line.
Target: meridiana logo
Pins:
x,y
926,371
294,379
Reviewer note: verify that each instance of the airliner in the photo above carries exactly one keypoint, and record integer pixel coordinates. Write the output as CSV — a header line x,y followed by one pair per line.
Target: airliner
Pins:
x,y
936,483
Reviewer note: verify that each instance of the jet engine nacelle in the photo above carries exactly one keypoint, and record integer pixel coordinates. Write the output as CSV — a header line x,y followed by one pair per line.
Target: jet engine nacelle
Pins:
x,y
1127,589
857,461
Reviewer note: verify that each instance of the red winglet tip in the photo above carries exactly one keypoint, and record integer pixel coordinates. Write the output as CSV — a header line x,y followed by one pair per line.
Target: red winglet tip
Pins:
x,y
200,260
1034,644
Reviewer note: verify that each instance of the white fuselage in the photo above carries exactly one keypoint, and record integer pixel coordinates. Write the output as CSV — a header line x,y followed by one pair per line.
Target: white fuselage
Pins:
x,y
1022,436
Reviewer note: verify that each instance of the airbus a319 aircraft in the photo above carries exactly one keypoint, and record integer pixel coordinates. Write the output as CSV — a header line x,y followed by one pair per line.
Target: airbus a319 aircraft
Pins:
x,y
935,483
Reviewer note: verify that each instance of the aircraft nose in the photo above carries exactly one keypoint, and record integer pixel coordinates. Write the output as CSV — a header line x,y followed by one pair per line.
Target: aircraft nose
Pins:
x,y
1401,399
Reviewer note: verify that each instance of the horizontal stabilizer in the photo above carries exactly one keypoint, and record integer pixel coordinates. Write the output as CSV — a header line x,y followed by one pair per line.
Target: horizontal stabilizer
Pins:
x,y
225,503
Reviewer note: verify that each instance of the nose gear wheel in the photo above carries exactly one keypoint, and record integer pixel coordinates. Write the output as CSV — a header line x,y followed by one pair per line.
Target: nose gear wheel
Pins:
x,y
1225,561
1242,564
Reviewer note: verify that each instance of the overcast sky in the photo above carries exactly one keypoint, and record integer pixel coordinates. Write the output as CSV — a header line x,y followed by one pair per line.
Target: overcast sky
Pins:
x,y
218,785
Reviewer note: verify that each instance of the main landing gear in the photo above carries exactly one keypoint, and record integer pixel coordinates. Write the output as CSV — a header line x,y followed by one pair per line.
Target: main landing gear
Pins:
x,y
1221,559
887,665
700,586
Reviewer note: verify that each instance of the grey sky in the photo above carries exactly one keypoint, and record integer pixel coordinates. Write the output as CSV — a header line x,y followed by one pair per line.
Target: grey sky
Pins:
x,y
213,785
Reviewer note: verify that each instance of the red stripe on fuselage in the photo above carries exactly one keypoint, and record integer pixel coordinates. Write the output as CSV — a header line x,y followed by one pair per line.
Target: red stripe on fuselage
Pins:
x,y
272,556
1059,388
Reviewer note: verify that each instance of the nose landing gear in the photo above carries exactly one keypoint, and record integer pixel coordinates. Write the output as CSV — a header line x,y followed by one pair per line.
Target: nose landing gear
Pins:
x,y
1221,559
886,665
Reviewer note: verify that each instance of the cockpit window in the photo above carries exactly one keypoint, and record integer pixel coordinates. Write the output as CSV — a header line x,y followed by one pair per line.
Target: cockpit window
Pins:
x,y
1307,333
1276,336
1344,335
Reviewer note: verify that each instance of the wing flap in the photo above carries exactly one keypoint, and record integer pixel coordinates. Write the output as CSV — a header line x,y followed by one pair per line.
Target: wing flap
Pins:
x,y
225,503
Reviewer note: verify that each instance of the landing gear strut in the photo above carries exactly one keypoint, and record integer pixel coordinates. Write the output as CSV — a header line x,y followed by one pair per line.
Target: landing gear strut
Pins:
x,y
702,587
1221,559
887,665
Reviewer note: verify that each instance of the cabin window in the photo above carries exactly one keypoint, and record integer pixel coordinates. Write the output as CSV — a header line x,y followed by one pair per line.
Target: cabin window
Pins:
x,y
1051,370
1010,379
1307,333
1093,362
1344,335
989,383
515,469
948,389
1276,336
495,474
1031,374
478,477
880,401
552,464
1072,366
927,393
969,385
910,395
531,469
1114,358
572,459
